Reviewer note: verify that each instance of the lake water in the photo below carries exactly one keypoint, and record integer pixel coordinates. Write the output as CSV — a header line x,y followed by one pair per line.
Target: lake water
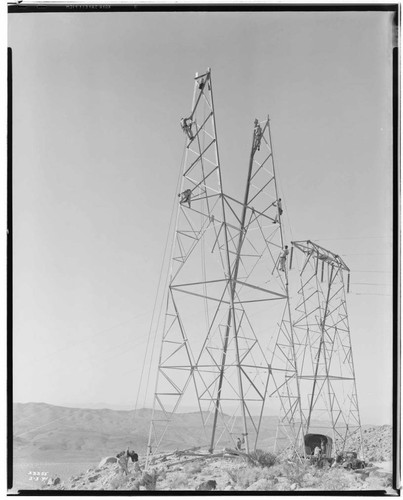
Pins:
x,y
30,476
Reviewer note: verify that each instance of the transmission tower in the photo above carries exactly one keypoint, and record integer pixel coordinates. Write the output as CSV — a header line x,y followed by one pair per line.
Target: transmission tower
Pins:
x,y
324,356
227,339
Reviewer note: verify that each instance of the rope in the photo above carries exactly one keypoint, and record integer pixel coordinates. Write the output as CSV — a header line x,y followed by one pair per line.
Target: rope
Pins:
x,y
125,342
48,423
178,183
156,297
372,284
205,206
362,271
353,238
168,276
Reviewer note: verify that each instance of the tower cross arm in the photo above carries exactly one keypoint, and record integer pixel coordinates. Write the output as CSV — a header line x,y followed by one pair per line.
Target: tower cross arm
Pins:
x,y
321,253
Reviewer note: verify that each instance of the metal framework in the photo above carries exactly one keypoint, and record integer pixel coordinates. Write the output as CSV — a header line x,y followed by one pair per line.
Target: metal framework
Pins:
x,y
227,340
324,356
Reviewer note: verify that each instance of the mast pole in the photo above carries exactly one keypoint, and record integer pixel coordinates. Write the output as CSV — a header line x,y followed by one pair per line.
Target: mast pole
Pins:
x,y
232,278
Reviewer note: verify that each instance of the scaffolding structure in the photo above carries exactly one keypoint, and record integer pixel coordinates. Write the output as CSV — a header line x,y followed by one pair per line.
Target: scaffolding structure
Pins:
x,y
324,355
227,339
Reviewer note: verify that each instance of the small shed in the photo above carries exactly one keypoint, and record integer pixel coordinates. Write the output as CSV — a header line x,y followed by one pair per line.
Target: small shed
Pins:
x,y
311,441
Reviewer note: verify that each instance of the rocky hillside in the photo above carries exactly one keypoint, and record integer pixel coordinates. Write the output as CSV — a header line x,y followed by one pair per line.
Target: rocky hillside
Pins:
x,y
225,471
377,443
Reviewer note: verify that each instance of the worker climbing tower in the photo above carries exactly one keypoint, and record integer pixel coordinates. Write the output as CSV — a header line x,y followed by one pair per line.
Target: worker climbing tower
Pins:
x,y
261,278
197,282
324,356
227,339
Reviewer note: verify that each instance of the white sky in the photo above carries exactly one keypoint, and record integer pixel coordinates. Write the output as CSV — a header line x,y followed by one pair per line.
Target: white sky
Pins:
x,y
97,152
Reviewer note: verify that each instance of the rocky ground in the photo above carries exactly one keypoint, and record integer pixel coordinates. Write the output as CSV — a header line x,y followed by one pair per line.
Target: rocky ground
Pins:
x,y
195,470
377,443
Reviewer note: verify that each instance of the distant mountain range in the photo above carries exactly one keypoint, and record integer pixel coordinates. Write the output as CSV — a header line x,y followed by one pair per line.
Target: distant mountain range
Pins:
x,y
48,433
44,432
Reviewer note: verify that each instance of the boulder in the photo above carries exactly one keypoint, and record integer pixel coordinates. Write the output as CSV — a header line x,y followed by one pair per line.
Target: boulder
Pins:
x,y
107,460
209,485
54,481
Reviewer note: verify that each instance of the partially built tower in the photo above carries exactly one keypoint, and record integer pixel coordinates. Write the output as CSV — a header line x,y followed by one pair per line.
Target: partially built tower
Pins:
x,y
228,342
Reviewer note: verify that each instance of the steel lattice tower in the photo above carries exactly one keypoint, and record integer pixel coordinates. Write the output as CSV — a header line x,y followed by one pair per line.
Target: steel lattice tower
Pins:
x,y
324,356
227,339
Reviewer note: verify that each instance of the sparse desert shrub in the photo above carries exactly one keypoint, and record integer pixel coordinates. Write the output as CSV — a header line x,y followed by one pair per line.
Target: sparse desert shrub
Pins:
x,y
247,476
194,468
178,481
295,472
330,479
231,474
244,477
276,470
234,473
162,473
312,479
134,485
264,458
304,475
374,482
339,479
118,482
149,479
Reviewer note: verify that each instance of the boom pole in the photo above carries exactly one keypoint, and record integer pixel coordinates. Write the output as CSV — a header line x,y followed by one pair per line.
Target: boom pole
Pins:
x,y
232,278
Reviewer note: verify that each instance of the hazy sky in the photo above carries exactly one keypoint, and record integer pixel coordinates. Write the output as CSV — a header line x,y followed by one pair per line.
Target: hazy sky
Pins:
x,y
97,153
